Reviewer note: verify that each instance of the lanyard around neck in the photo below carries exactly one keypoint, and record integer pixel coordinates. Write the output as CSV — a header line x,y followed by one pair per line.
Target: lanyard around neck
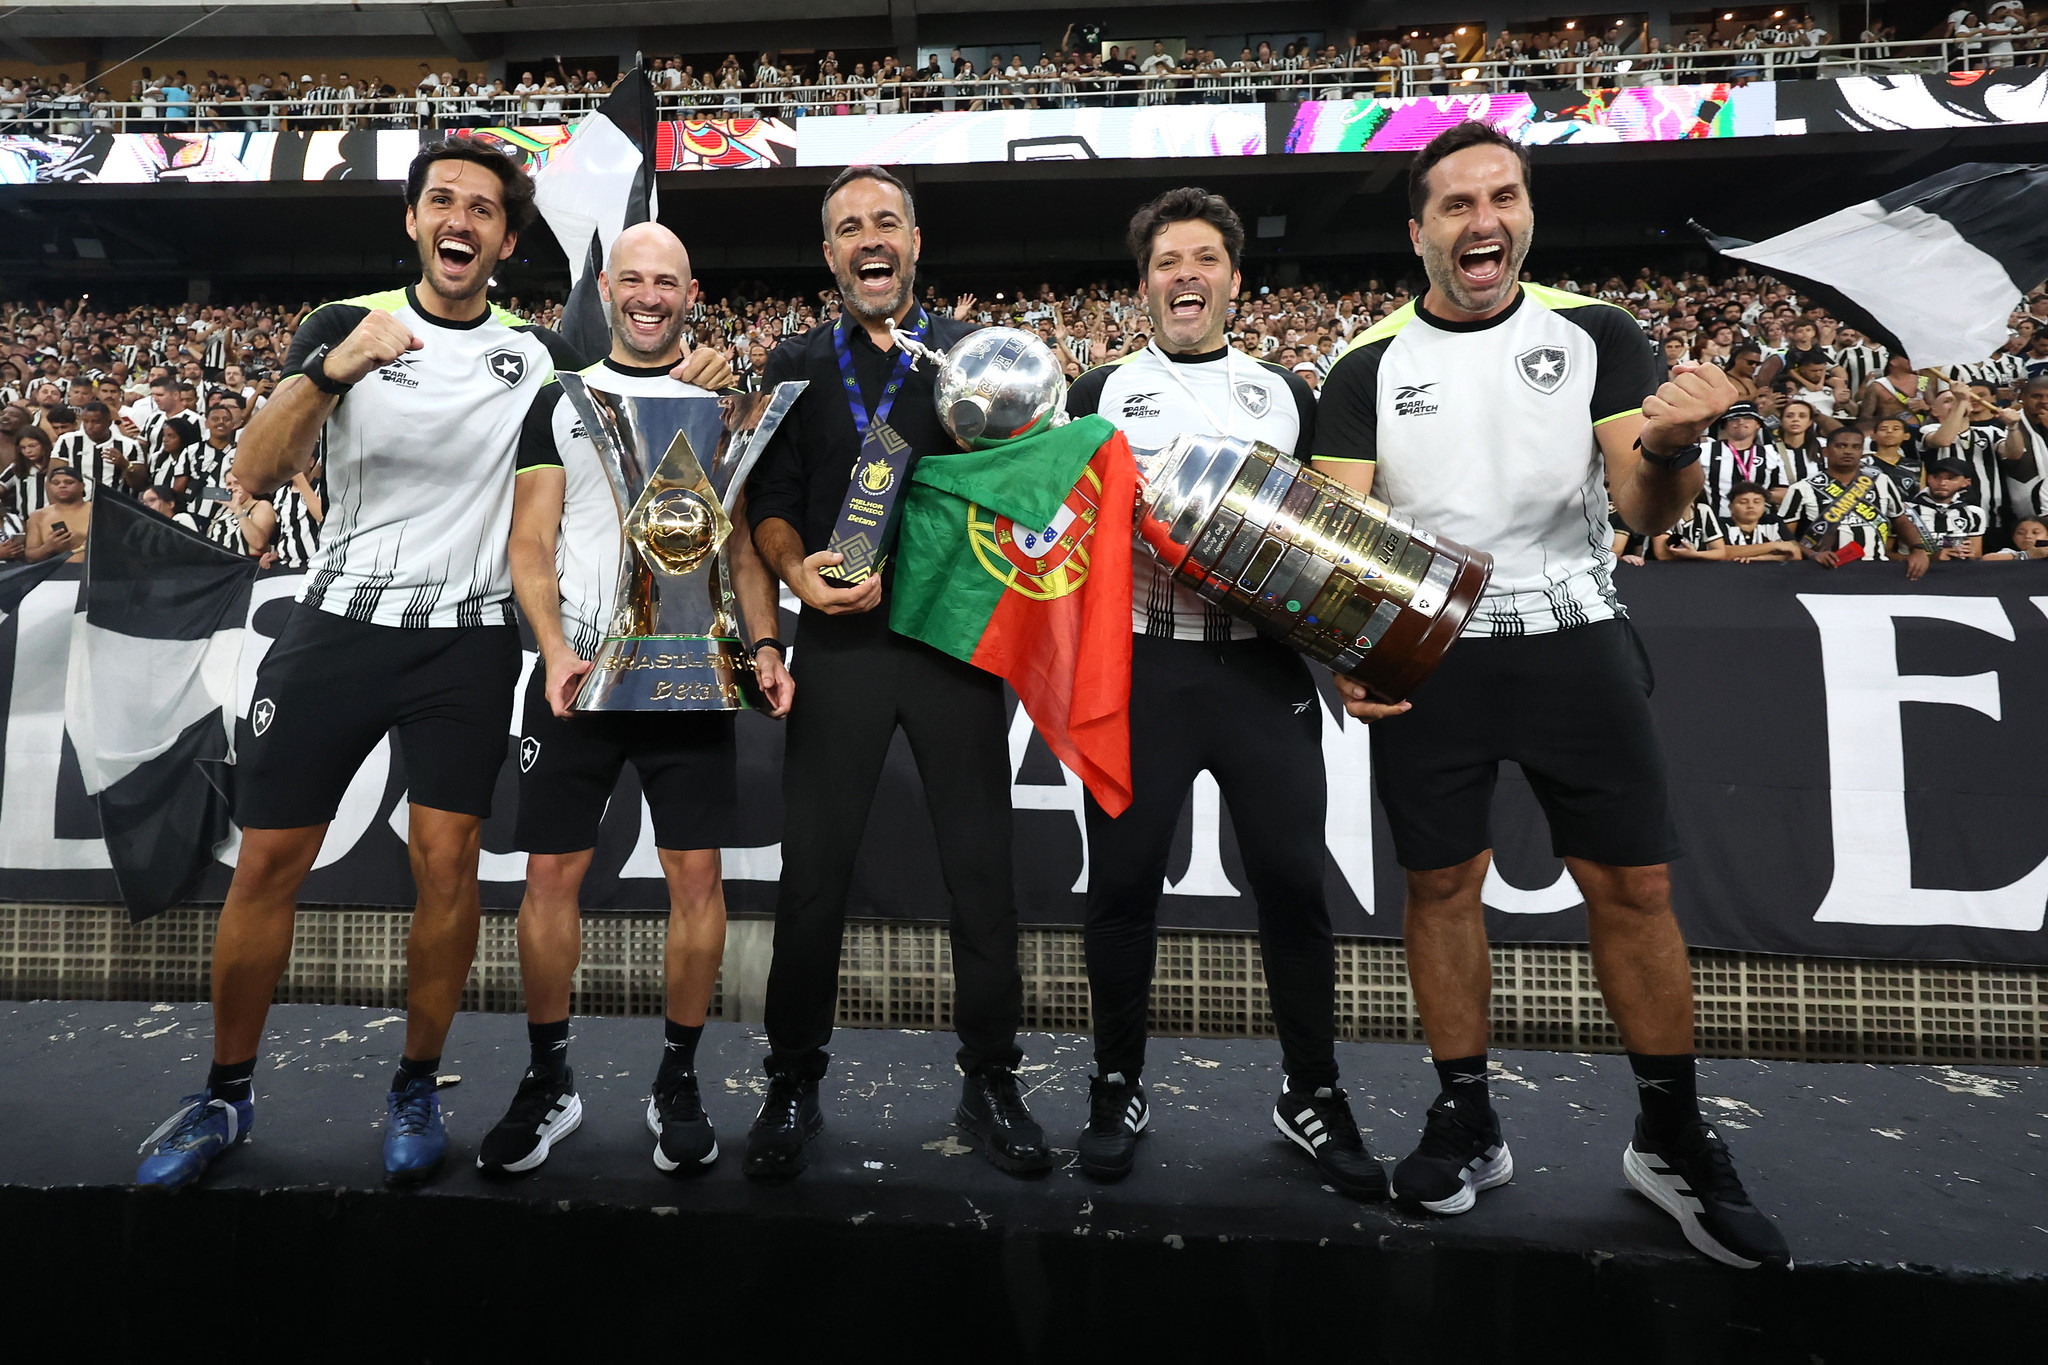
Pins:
x,y
862,417
1223,428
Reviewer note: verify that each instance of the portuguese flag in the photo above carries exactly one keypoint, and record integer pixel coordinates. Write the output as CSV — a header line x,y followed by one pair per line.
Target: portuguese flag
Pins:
x,y
1017,558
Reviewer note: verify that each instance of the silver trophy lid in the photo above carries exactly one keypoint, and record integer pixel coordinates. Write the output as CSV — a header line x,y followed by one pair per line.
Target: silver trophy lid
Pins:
x,y
994,384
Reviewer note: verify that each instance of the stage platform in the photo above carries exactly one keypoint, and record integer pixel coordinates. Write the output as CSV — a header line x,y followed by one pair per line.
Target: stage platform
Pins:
x,y
1913,1197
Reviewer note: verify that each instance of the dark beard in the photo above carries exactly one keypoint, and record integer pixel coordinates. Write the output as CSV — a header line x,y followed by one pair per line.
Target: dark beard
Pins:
x,y
1442,270
669,336
848,297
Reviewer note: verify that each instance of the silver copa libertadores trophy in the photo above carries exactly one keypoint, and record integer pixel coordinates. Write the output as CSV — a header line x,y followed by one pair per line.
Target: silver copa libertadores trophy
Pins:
x,y
676,467
1310,561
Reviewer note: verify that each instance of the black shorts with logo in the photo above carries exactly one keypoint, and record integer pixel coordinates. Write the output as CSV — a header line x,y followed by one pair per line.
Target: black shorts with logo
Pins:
x,y
330,688
1572,707
688,762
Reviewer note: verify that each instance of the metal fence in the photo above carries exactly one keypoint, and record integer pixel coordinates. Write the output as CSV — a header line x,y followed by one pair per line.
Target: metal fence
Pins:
x,y
1207,985
917,92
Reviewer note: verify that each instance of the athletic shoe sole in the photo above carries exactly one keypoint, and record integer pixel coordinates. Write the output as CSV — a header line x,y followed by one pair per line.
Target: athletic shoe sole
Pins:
x,y
406,1180
997,1157
551,1132
662,1163
1376,1190
1652,1187
1481,1173
1105,1173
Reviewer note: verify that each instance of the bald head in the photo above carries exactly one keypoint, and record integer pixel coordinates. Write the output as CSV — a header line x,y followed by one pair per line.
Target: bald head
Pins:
x,y
648,291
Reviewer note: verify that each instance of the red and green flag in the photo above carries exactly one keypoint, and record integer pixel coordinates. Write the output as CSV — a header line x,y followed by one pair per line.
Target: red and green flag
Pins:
x,y
1017,559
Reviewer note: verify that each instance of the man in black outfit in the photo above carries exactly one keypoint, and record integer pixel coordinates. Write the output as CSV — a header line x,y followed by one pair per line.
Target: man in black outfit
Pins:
x,y
860,681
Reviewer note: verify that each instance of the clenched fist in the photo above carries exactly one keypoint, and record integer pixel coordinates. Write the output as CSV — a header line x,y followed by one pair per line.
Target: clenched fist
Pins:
x,y
705,368
1682,408
377,340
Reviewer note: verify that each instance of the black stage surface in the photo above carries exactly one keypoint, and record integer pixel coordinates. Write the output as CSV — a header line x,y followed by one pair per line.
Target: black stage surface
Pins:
x,y
1912,1197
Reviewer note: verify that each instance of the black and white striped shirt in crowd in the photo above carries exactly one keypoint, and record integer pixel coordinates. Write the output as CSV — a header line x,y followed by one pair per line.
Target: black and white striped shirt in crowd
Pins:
x,y
1699,528
95,461
1798,462
31,489
1726,466
1945,525
297,535
225,529
1861,364
1763,533
214,355
1977,445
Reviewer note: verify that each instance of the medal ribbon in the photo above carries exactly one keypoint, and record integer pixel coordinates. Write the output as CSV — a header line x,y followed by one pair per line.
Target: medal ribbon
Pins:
x,y
862,418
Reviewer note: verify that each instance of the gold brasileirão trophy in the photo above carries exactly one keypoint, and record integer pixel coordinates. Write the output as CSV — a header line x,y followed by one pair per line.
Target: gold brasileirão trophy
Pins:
x,y
676,467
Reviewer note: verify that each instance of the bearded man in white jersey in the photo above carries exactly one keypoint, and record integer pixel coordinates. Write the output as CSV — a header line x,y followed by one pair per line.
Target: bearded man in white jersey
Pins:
x,y
1209,693
565,560
1492,412
404,624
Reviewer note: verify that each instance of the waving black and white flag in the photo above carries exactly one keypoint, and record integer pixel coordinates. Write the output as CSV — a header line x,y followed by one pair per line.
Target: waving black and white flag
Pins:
x,y
1931,271
593,187
150,696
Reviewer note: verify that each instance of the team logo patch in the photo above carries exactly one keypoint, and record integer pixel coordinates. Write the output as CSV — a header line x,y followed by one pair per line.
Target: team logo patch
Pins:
x,y
264,712
1543,368
1253,398
1041,564
529,750
507,366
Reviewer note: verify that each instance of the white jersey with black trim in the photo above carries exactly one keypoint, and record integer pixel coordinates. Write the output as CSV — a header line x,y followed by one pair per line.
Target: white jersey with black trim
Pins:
x,y
1484,432
419,459
591,537
1153,396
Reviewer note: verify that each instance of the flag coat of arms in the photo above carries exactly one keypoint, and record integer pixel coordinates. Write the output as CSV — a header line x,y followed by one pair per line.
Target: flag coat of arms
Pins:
x,y
1017,559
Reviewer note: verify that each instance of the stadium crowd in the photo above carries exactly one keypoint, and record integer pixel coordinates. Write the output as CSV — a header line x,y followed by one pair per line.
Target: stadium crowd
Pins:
x,y
146,402
1077,71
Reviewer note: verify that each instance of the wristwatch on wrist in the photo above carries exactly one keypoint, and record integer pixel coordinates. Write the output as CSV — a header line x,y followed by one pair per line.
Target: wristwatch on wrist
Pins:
x,y
769,642
315,369
1676,460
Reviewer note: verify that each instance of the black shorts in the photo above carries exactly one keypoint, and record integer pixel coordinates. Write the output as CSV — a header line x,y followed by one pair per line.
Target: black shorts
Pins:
x,y
1572,707
330,688
688,763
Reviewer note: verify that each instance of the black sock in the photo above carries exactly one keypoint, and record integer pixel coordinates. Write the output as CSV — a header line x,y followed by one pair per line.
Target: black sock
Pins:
x,y
1668,1088
1464,1080
410,1071
678,1051
550,1046
232,1080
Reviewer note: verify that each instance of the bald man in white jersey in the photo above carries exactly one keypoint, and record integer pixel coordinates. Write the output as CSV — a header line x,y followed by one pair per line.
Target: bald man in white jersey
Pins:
x,y
1493,412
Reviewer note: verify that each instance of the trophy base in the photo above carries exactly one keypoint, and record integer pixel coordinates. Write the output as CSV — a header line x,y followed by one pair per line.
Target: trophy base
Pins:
x,y
670,673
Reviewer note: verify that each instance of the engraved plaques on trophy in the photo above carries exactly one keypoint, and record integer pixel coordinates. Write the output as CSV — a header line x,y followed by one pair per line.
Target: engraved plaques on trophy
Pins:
x,y
676,467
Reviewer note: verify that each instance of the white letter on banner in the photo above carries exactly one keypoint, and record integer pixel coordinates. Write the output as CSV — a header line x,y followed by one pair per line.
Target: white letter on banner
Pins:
x,y
1873,881
1347,823
1036,796
35,738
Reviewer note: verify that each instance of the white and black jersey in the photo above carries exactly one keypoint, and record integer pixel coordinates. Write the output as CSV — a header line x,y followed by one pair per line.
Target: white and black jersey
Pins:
x,y
1977,445
32,489
1485,432
1861,364
97,462
204,466
1765,532
1699,528
1152,397
1945,525
1726,466
297,537
1868,519
225,530
1797,462
419,460
2028,496
590,540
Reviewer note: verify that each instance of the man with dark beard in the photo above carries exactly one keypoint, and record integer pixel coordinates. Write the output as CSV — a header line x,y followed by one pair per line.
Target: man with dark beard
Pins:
x,y
860,682
1489,411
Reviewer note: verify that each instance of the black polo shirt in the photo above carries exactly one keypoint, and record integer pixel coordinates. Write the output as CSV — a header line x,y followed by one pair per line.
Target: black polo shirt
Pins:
x,y
803,474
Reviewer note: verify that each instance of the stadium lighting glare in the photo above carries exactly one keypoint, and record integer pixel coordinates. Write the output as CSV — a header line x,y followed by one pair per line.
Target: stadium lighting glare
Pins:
x,y
1729,15
1624,66
1571,23
1461,33
1415,33
1470,73
1777,14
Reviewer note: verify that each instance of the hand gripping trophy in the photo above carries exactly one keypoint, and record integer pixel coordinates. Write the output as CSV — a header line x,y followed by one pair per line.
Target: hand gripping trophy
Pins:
x,y
1337,575
676,467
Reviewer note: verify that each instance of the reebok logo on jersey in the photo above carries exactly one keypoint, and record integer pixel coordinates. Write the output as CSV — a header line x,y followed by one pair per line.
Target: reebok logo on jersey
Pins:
x,y
1543,368
529,750
1141,405
1415,400
399,372
507,366
265,711
1253,398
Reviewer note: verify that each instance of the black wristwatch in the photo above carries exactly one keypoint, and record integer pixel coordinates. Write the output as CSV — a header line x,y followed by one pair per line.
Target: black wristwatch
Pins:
x,y
769,642
315,369
1675,461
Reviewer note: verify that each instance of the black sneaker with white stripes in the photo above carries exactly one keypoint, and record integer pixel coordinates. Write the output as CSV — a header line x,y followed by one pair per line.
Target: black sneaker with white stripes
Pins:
x,y
1692,1178
1461,1153
683,1138
1117,1115
545,1110
1321,1125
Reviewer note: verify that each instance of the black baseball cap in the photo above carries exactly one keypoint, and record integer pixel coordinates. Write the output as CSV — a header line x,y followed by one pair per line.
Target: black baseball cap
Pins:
x,y
1949,464
1742,409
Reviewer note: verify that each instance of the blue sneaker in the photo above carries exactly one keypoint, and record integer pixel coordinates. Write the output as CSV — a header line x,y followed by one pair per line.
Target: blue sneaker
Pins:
x,y
187,1142
414,1138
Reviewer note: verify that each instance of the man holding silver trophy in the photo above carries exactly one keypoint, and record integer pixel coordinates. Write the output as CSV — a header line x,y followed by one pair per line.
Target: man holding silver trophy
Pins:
x,y
630,571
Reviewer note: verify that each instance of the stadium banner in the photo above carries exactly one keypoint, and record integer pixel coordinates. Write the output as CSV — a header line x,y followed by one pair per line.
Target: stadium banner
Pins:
x,y
964,136
1542,118
1881,104
1852,766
